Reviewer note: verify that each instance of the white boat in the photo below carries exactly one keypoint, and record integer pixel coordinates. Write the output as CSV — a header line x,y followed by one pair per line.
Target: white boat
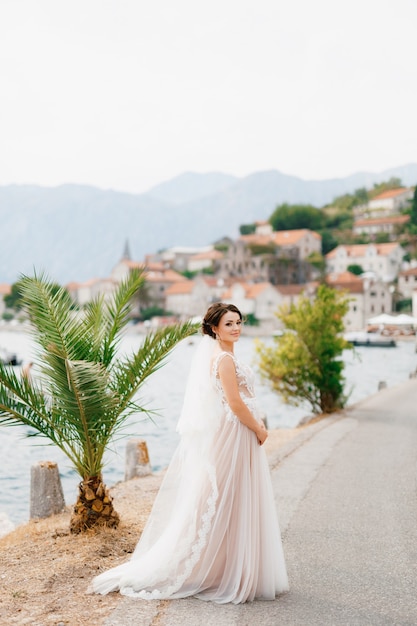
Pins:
x,y
9,358
376,340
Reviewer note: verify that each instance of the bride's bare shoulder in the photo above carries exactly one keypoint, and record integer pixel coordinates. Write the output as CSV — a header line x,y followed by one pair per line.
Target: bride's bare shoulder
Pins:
x,y
219,359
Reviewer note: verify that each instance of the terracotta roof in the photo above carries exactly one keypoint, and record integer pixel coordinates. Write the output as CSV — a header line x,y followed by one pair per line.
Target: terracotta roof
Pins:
x,y
132,264
88,283
164,276
154,266
5,289
290,290
353,287
256,289
252,290
288,237
343,277
210,254
412,271
72,285
345,280
374,221
183,287
279,238
358,250
213,281
391,193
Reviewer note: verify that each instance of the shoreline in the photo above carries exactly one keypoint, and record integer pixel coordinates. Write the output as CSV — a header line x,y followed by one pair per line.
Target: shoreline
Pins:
x,y
46,570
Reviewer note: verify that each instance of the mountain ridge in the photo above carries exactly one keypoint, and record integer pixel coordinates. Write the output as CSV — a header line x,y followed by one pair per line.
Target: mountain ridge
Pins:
x,y
77,232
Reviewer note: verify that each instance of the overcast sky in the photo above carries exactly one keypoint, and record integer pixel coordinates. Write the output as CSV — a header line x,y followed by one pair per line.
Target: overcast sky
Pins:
x,y
124,94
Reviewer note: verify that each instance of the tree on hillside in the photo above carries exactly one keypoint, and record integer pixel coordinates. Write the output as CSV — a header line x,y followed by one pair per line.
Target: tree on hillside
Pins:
x,y
392,183
355,268
413,209
347,201
14,299
305,364
247,229
88,389
318,261
296,216
361,195
382,238
328,241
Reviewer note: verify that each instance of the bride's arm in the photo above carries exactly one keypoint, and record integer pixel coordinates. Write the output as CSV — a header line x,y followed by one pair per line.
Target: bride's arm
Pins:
x,y
227,375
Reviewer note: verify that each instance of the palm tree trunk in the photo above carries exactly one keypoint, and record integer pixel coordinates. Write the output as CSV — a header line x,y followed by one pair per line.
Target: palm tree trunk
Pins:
x,y
94,506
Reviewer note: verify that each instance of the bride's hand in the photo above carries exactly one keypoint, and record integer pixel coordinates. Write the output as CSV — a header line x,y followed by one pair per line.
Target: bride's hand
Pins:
x,y
262,434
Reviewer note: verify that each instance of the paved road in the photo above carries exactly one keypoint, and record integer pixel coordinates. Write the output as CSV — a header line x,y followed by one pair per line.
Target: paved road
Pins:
x,y
347,499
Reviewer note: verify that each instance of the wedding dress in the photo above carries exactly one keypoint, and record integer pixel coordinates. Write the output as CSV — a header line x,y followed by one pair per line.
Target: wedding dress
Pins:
x,y
213,531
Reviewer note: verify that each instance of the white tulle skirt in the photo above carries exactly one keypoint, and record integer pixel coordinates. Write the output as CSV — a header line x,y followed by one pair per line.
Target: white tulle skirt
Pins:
x,y
213,531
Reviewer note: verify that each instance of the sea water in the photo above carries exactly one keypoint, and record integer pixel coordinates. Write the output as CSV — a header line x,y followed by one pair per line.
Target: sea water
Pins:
x,y
162,395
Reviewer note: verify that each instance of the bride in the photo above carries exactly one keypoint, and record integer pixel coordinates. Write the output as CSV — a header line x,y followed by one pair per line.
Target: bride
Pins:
x,y
213,531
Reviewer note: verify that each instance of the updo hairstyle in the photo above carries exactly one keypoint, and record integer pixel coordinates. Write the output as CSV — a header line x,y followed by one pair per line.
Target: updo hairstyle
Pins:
x,y
213,316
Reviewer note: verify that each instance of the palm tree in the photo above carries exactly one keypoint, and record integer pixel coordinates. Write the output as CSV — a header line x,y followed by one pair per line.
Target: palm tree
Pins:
x,y
86,390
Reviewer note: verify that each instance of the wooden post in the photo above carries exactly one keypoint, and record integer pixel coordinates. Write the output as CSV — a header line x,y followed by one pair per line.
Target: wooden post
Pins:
x,y
46,495
382,385
137,459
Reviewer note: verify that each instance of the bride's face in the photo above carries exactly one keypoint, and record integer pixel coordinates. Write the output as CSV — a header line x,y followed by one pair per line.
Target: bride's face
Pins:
x,y
229,327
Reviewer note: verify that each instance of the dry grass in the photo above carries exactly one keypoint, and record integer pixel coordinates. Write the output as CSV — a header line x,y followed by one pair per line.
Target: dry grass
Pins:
x,y
45,571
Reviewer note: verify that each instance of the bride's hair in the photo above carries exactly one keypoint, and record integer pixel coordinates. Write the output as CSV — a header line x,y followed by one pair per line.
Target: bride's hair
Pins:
x,y
214,314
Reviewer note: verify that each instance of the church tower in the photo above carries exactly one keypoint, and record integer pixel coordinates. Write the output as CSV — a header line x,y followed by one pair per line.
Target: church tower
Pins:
x,y
126,256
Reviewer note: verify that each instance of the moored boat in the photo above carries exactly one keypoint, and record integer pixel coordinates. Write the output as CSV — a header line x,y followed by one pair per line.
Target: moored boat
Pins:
x,y
375,340
9,358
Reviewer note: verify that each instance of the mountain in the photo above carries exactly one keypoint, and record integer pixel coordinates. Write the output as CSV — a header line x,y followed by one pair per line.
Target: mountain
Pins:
x,y
190,186
77,232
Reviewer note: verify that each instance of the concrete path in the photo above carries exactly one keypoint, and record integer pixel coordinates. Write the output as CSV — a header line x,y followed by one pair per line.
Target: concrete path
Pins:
x,y
347,500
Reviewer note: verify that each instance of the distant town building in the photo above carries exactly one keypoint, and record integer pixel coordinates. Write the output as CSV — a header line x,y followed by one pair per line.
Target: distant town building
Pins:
x,y
261,300
390,202
207,260
189,298
384,260
186,259
304,240
269,256
158,277
82,293
389,225
367,298
407,282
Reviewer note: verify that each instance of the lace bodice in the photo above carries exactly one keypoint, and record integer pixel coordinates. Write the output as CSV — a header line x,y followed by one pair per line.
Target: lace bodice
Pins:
x,y
245,380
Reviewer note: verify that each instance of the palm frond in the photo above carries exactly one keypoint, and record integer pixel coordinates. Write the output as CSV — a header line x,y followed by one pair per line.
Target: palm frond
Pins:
x,y
23,403
54,323
86,391
117,312
129,374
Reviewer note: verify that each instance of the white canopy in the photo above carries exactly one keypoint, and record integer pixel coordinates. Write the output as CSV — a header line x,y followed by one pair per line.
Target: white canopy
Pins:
x,y
393,320
384,318
405,319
